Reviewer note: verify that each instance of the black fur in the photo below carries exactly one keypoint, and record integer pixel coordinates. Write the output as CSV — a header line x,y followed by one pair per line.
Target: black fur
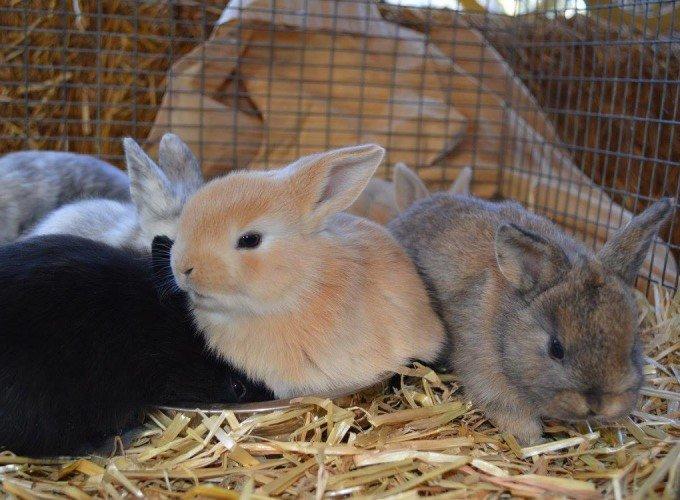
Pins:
x,y
90,336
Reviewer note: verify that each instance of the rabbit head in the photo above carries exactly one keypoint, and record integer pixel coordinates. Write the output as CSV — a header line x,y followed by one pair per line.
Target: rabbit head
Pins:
x,y
246,240
160,191
409,187
376,202
576,329
382,200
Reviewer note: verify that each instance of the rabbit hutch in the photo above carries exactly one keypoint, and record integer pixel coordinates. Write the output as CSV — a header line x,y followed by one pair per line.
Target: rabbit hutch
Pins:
x,y
570,107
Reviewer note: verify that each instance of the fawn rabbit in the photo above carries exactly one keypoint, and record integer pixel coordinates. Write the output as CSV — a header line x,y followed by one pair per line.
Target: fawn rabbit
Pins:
x,y
540,326
33,183
91,336
177,176
382,201
293,292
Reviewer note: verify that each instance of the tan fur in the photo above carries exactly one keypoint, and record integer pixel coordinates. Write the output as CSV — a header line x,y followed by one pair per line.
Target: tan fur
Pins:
x,y
381,201
508,282
325,302
376,202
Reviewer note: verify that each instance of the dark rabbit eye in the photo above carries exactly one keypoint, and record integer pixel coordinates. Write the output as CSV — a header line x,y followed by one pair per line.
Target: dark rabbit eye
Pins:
x,y
239,389
249,240
555,348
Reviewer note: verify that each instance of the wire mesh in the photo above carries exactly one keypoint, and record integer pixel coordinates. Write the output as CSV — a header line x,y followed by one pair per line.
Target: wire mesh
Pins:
x,y
289,77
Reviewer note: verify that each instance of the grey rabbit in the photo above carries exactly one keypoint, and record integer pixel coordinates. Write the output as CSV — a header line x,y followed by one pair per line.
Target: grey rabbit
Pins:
x,y
177,176
34,183
540,326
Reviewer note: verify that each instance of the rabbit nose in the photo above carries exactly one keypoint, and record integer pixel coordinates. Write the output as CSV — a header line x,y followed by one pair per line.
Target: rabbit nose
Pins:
x,y
594,401
187,272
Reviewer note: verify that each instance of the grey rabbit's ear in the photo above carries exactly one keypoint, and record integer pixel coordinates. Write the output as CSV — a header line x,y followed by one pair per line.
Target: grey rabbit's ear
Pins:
x,y
462,183
408,187
528,261
158,204
625,251
179,163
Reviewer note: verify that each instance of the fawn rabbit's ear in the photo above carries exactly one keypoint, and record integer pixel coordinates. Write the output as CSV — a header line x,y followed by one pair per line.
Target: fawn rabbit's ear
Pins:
x,y
179,164
408,187
625,251
151,191
330,182
530,263
462,183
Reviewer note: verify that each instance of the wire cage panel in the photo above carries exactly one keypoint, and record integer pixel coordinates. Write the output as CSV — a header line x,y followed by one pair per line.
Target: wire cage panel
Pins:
x,y
569,107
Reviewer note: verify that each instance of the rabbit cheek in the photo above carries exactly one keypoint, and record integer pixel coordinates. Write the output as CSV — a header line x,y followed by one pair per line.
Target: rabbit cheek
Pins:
x,y
567,405
617,405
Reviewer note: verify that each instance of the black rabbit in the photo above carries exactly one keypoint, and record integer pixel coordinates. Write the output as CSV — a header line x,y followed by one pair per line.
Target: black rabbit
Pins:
x,y
91,336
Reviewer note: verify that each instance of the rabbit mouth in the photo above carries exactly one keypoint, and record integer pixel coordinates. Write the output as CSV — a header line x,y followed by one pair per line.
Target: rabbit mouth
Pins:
x,y
201,300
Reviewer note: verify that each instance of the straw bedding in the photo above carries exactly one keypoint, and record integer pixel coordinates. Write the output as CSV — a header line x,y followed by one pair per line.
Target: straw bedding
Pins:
x,y
420,437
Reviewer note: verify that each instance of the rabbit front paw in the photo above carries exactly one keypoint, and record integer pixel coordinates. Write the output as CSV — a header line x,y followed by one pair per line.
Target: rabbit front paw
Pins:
x,y
527,430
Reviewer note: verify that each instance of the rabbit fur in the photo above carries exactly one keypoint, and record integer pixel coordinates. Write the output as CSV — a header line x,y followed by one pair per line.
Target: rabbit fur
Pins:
x,y
540,326
327,301
34,183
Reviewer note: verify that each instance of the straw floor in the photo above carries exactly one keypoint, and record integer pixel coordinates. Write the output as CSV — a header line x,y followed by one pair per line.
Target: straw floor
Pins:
x,y
422,437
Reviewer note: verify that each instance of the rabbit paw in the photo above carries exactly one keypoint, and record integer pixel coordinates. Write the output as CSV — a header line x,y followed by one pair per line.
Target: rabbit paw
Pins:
x,y
527,430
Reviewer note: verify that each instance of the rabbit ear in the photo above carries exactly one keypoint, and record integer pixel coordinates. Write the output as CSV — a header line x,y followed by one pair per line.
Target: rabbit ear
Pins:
x,y
158,204
529,262
462,183
330,182
625,251
408,187
179,163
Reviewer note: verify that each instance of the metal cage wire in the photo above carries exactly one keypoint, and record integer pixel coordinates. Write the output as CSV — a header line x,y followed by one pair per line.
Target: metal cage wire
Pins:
x,y
78,76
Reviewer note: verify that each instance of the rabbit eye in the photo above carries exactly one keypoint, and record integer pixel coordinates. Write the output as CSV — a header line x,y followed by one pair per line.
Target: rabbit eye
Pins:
x,y
249,240
555,348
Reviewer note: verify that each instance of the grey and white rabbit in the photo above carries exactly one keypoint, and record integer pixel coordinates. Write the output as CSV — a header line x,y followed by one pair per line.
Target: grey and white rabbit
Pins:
x,y
34,183
177,176
540,325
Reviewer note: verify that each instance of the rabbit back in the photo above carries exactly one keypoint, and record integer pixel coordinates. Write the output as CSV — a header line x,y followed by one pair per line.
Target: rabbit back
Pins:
x,y
33,183
109,221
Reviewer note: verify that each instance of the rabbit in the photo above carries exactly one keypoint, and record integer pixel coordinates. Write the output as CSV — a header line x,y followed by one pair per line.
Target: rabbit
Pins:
x,y
291,291
118,223
92,335
540,326
33,183
382,201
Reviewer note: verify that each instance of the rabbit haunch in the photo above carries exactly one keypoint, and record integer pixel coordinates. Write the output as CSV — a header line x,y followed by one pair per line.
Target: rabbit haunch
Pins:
x,y
34,183
314,300
540,326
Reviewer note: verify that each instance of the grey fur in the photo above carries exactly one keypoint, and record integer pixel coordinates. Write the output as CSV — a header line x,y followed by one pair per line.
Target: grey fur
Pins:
x,y
508,284
158,195
110,221
624,253
34,183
